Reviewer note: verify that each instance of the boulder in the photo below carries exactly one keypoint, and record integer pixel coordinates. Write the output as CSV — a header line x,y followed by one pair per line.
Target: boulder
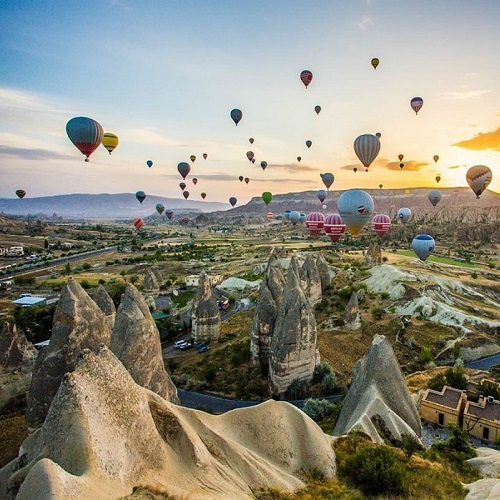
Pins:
x,y
311,280
105,302
78,324
379,400
205,315
136,343
352,316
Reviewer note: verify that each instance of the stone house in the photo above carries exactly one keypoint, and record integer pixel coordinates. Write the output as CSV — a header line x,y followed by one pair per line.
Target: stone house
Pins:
x,y
443,407
482,419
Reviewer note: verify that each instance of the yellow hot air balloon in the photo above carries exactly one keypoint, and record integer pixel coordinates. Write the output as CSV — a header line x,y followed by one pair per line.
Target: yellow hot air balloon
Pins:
x,y
110,141
407,191
375,62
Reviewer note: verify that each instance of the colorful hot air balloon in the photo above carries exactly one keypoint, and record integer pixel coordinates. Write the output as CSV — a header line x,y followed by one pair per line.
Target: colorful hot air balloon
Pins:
x,y
236,115
141,196
375,62
85,133
423,245
192,158
169,213
185,194
247,180
240,178
184,168
479,178
321,195
334,227
317,109
149,163
356,208
205,156
269,216
195,181
251,140
21,193
138,223
250,155
435,158
203,195
416,104
306,77
438,178
109,141
315,222
401,156
294,217
299,158
182,185
366,147
309,143
183,220
404,215
263,164
434,197
160,208
267,197
381,223
327,179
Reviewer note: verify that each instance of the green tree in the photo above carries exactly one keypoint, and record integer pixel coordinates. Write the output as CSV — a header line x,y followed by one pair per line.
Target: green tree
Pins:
x,y
455,377
409,445
488,388
437,382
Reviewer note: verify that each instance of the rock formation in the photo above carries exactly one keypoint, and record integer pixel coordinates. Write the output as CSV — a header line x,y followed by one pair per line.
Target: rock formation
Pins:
x,y
311,280
266,311
352,316
205,316
78,324
105,302
104,435
378,400
136,343
17,357
324,272
151,284
294,352
373,256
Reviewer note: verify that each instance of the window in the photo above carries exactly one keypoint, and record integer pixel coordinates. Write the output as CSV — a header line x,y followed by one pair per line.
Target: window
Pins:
x,y
441,418
486,432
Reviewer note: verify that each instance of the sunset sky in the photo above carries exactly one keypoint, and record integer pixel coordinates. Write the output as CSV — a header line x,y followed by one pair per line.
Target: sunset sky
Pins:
x,y
164,75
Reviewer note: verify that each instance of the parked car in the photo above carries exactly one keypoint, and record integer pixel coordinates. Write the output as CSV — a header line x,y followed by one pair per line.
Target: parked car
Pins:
x,y
179,344
186,346
204,348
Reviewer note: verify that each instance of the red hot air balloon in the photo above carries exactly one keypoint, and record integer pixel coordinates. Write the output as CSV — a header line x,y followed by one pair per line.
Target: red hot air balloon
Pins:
x,y
86,134
138,223
381,224
195,181
315,222
184,168
247,180
334,227
203,195
205,156
21,193
185,194
182,185
306,77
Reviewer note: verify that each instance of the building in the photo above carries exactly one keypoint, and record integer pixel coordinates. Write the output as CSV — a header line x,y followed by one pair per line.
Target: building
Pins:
x,y
193,279
30,300
443,407
482,419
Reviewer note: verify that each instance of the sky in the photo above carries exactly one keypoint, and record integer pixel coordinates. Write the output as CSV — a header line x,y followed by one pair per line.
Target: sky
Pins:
x,y
163,75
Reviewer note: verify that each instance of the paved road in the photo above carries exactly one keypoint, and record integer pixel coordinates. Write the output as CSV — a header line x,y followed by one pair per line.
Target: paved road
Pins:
x,y
485,363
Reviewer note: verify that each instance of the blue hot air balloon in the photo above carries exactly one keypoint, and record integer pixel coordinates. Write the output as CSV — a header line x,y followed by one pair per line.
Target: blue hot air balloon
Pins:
x,y
327,179
233,201
236,115
184,168
321,195
149,163
141,196
86,134
287,213
423,245
404,215
355,208
434,197
294,217
263,164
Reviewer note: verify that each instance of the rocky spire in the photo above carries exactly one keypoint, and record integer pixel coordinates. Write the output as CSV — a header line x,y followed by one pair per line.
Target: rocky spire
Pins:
x,y
324,272
352,316
294,353
14,347
151,284
106,304
378,398
136,343
311,280
78,324
205,316
373,255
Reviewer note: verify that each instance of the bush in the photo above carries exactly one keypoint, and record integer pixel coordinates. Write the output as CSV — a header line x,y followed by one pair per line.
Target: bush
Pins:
x,y
409,445
437,382
297,390
318,408
329,383
456,378
426,355
378,312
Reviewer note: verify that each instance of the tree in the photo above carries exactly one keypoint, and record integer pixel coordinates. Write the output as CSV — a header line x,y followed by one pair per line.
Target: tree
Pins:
x,y
455,377
409,445
488,388
437,382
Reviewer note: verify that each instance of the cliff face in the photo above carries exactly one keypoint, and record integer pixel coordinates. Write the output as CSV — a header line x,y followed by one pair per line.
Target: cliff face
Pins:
x,y
105,302
205,316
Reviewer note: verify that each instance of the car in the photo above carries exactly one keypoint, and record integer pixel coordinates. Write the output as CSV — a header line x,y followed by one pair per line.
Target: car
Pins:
x,y
179,343
199,345
186,346
204,348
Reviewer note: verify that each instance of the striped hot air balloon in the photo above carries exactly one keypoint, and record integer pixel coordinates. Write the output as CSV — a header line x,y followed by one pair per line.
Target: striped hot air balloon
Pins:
x,y
306,77
110,141
138,223
315,222
381,223
366,147
479,178
85,133
416,104
270,216
21,193
334,227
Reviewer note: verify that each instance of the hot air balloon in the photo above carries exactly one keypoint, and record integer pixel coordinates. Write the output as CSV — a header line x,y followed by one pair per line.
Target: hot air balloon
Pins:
x,y
407,191
434,197
400,156
401,166
85,133
109,141
182,185
321,195
355,169
267,197
404,215
378,135
380,186
138,223
247,180
327,179
294,217
192,158
240,178
236,115
334,227
183,220
21,193
233,201
287,213
299,158
263,164
416,103
203,195
160,208
315,222
141,196
149,163
251,140
250,155
366,147
306,77
309,143
253,160
269,216
169,213
356,208
381,223
195,181
435,158
303,216
479,178
184,169
185,194
423,245
205,156
438,178
375,62
317,109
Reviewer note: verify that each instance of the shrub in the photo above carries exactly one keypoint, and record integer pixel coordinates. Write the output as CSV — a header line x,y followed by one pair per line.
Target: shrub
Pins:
x,y
409,445
378,312
437,382
426,355
319,408
456,378
297,390
329,383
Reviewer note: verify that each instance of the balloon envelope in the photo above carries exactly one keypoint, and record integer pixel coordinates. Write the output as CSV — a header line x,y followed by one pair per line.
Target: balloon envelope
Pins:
x,y
267,197
192,158
109,141
184,168
299,158
321,195
400,156
205,156
334,227
236,115
294,217
247,180
309,143
169,213
356,208
423,245
315,222
233,201
149,163
435,158
375,62
182,185
416,104
366,147
263,164
438,178
327,179
185,194
21,193
240,178
404,215
141,196
434,197
317,109
160,208
306,77
85,133
250,155
195,181
203,195
138,223
251,140
381,223
479,178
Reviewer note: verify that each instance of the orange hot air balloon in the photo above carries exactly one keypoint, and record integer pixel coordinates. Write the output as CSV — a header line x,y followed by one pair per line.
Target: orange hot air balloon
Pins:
x,y
138,223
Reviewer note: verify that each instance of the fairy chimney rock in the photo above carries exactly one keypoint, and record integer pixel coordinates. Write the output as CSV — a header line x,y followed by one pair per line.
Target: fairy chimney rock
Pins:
x,y
324,272
373,255
105,302
352,316
205,315
311,280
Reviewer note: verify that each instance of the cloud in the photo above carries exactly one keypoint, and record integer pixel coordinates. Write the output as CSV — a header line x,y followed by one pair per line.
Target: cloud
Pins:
x,y
482,141
455,166
293,168
464,94
32,154
350,167
365,22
